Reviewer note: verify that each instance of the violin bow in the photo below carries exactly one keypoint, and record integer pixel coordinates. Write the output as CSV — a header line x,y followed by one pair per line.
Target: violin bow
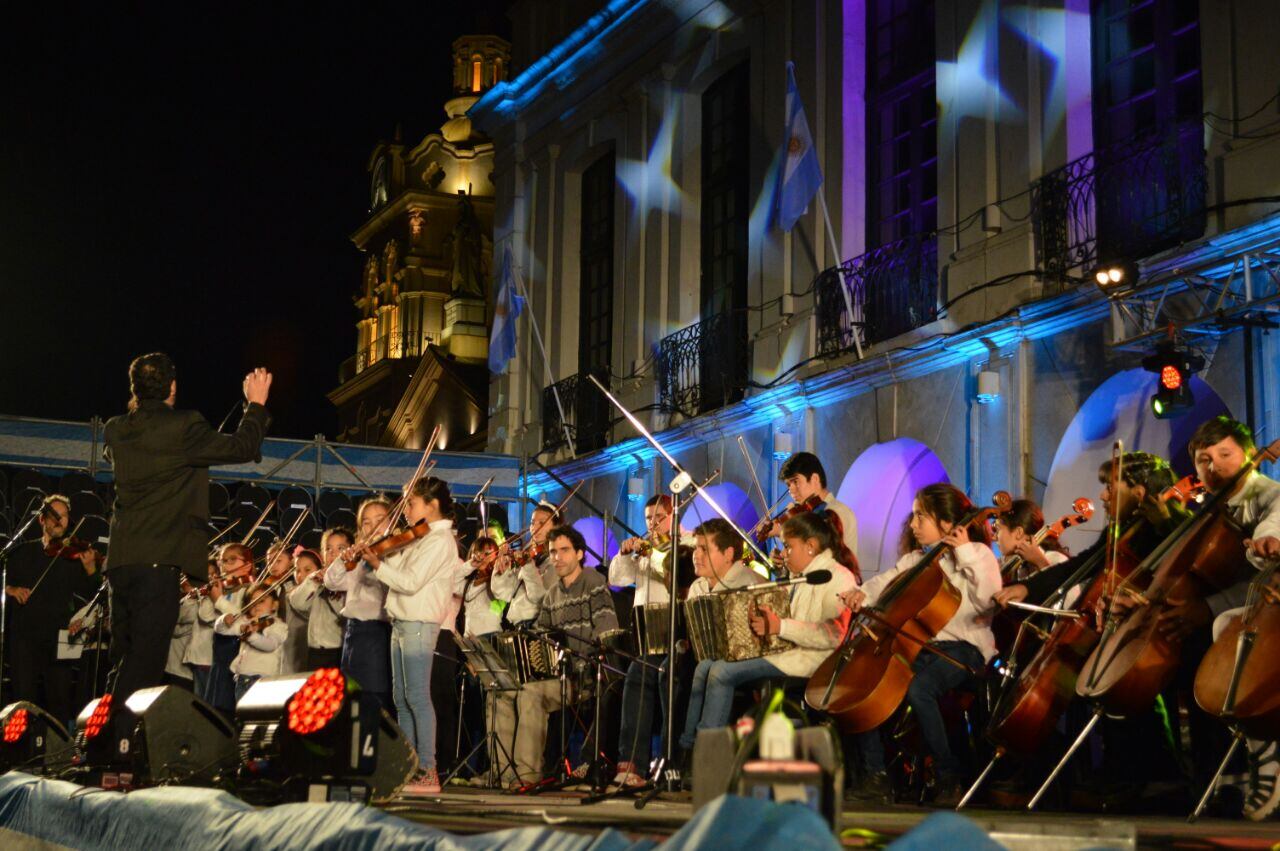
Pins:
x,y
234,523
418,473
680,471
755,481
248,536
54,560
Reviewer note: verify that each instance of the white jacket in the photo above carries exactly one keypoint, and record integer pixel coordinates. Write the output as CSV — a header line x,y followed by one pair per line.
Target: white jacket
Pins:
x,y
182,633
366,596
524,589
974,571
262,652
420,578
200,647
818,618
324,627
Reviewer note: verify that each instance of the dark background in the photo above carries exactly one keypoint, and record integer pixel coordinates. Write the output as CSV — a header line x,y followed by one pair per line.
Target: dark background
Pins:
x,y
186,179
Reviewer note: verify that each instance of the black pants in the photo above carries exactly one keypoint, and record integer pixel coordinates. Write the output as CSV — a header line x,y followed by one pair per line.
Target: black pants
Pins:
x,y
144,612
34,663
445,688
323,657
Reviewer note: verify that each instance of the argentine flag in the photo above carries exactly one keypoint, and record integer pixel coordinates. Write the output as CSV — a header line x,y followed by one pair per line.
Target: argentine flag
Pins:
x,y
800,175
502,339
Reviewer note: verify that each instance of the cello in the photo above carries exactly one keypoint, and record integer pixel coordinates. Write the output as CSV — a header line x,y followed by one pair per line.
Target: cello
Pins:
x,y
1133,661
865,680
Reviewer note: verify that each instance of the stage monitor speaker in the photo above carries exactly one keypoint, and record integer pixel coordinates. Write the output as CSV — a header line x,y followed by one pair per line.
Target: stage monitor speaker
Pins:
x,y
160,735
32,740
323,738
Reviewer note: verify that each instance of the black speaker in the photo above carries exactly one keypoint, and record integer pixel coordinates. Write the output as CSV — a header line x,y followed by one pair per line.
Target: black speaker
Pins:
x,y
318,737
160,735
32,740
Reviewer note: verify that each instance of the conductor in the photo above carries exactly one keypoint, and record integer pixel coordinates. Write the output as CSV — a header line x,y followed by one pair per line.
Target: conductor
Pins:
x,y
160,522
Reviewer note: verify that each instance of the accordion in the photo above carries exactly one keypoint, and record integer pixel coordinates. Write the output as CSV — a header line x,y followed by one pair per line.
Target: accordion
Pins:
x,y
720,624
652,626
527,657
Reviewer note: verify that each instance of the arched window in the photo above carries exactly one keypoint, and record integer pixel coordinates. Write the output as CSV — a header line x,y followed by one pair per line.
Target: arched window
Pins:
x,y
879,488
1119,409
477,73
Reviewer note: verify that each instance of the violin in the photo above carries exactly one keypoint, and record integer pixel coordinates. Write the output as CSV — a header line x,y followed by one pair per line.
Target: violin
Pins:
x,y
257,624
765,527
532,552
1081,513
230,583
1186,490
660,543
68,547
393,543
865,680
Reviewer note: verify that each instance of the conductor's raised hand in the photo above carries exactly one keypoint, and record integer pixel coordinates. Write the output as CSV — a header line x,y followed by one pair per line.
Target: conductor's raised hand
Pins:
x,y
257,385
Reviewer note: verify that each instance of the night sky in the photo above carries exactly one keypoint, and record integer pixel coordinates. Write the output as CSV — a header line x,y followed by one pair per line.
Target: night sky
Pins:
x,y
189,182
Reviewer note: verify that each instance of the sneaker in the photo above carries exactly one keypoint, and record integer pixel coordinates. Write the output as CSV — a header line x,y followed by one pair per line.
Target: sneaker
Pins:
x,y
627,777
1263,797
875,788
948,795
425,782
624,769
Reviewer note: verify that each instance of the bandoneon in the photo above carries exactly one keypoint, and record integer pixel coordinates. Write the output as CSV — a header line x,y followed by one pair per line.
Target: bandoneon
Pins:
x,y
527,657
720,624
652,625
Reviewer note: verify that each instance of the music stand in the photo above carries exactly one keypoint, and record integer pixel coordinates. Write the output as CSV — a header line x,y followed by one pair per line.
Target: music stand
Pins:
x,y
484,663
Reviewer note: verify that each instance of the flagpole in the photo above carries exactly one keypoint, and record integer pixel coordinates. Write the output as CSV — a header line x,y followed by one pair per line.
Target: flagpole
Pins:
x,y
844,289
546,361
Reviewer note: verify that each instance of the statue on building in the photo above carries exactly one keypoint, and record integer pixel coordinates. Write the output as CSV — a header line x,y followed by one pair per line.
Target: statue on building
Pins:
x,y
466,276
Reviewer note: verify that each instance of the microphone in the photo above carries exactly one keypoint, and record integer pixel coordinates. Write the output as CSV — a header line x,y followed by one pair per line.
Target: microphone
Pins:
x,y
818,577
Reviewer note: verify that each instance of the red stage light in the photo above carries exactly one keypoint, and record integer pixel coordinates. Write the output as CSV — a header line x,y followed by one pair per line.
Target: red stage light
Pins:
x,y
98,719
318,701
1171,378
15,727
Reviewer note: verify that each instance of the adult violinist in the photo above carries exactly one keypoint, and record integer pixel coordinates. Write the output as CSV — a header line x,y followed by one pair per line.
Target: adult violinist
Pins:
x,y
159,525
971,567
1219,448
46,578
806,481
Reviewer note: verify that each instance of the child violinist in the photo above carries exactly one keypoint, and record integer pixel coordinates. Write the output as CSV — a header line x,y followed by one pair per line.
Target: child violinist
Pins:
x,y
971,567
318,605
1015,533
420,581
261,635
226,596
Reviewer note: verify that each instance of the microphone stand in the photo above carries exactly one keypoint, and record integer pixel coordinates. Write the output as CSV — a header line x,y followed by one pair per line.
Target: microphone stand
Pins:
x,y
670,775
4,583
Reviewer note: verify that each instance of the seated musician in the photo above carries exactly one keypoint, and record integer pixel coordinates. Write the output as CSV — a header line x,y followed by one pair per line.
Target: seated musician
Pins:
x,y
816,626
577,610
806,479
967,638
718,566
1143,478
1015,531
1219,448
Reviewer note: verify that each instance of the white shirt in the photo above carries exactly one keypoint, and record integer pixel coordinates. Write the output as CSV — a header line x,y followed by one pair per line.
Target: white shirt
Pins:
x,y
182,632
972,568
200,647
420,578
482,619
818,619
740,575
1256,508
324,627
848,521
366,596
645,572
524,589
261,652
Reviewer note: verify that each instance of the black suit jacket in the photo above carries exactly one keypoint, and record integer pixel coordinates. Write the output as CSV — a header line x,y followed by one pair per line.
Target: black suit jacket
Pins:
x,y
162,459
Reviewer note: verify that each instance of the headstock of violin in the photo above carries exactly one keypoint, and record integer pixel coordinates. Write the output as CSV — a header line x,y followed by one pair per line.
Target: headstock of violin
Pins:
x,y
1082,512
1185,490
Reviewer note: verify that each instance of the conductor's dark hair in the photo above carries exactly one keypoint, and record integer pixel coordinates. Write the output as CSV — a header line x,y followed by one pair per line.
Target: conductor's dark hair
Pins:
x,y
575,537
151,376
803,464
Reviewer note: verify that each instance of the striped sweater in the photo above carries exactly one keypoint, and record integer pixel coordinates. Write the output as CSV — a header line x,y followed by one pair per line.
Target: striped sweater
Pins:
x,y
584,610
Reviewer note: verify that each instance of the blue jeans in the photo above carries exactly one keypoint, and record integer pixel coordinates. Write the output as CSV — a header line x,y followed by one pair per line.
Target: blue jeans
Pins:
x,y
366,658
413,647
934,677
243,682
643,688
711,696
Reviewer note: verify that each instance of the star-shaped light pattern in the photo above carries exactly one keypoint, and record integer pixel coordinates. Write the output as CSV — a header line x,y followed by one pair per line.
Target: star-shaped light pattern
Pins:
x,y
649,181
965,85
1047,30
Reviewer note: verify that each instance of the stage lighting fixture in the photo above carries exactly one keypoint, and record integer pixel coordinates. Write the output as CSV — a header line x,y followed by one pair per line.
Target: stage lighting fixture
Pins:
x,y
159,735
1117,279
32,740
1173,367
319,737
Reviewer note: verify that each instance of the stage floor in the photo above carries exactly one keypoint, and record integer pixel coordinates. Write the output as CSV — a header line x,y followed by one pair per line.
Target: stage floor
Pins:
x,y
463,810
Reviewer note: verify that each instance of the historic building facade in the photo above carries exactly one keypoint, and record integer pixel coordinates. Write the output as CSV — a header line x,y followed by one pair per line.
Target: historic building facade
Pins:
x,y
421,334
981,161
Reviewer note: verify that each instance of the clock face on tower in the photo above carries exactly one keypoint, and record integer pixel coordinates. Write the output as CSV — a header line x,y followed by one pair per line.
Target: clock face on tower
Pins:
x,y
378,186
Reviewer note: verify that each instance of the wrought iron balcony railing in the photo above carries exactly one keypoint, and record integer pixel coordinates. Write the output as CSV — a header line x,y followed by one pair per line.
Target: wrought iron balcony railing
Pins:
x,y
586,413
705,366
388,347
892,289
1123,202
